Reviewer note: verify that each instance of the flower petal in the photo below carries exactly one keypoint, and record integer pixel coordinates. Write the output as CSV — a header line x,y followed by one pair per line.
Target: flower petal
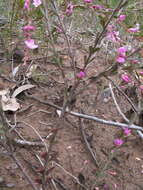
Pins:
x,y
36,3
30,44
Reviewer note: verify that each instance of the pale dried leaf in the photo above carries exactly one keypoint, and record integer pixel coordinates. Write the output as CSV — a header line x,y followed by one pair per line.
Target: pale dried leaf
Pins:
x,y
9,104
21,89
59,112
4,92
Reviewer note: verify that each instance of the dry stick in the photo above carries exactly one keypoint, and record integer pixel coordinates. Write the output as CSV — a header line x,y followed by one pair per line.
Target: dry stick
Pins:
x,y
61,185
26,144
23,171
25,109
89,149
37,133
116,104
40,110
76,179
102,121
123,93
47,160
54,184
120,112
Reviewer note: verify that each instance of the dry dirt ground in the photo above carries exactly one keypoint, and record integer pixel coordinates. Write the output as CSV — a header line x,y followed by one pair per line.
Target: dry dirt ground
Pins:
x,y
70,161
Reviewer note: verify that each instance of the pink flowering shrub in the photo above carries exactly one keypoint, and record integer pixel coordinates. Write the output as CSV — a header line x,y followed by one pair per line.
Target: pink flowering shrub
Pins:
x,y
91,46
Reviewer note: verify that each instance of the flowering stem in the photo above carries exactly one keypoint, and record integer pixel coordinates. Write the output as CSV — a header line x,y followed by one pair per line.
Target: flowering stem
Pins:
x,y
66,36
100,35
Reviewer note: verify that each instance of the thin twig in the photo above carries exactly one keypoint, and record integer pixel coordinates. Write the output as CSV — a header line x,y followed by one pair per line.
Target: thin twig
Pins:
x,y
41,110
37,133
121,113
23,171
89,149
75,178
123,93
116,104
54,184
61,185
47,160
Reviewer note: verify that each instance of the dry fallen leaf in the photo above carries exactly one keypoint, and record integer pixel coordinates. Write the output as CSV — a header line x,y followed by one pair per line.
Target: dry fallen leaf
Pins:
x,y
21,89
9,104
4,92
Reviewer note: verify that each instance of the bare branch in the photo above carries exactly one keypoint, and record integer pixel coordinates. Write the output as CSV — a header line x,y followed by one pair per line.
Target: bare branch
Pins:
x,y
99,120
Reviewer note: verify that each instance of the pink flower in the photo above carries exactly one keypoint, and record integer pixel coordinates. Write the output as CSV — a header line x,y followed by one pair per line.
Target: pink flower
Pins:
x,y
110,28
81,75
118,142
88,1
120,59
112,34
127,132
106,187
141,73
125,78
134,61
30,44
115,185
69,9
98,7
26,4
28,28
59,30
121,55
122,51
36,3
121,18
134,30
